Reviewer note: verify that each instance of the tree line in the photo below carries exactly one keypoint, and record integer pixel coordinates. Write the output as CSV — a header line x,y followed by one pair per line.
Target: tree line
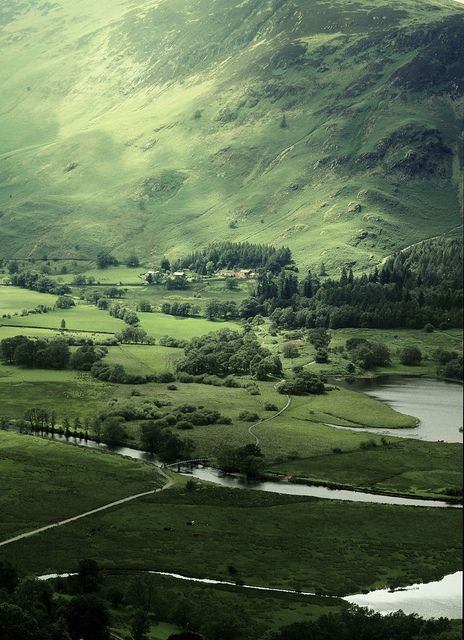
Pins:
x,y
235,255
402,293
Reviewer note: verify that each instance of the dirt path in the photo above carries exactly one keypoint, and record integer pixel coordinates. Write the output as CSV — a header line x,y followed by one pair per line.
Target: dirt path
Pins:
x,y
275,415
110,505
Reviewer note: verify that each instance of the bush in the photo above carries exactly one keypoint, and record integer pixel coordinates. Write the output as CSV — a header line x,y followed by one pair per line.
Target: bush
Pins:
x,y
165,377
248,416
322,356
290,351
184,425
186,378
269,406
172,387
411,356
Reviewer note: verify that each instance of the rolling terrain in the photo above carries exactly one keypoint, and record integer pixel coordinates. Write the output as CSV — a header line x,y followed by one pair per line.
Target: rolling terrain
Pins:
x,y
331,127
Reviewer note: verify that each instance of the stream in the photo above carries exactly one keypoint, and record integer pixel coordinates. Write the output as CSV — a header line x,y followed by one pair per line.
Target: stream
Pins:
x,y
438,405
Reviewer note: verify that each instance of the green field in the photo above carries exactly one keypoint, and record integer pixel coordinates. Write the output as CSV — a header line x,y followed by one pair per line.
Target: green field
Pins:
x,y
159,324
68,393
13,300
394,339
198,293
272,540
143,360
44,482
82,317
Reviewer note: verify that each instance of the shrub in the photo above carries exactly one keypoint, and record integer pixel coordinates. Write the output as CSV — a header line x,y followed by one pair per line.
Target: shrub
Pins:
x,y
269,406
411,356
248,416
172,387
165,376
184,425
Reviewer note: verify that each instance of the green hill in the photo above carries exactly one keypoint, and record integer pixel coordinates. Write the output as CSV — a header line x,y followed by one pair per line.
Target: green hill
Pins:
x,y
329,126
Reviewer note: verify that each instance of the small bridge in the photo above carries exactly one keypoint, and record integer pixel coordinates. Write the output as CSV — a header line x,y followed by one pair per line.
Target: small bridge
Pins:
x,y
184,463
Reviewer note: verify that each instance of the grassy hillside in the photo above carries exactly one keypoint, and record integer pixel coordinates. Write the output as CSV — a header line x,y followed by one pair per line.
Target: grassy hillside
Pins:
x,y
332,127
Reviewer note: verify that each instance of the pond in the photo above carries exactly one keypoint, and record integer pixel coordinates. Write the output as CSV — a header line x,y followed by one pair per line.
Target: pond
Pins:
x,y
437,404
432,599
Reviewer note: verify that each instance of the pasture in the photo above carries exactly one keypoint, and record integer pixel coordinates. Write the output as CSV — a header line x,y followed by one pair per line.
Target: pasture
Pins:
x,y
44,481
271,540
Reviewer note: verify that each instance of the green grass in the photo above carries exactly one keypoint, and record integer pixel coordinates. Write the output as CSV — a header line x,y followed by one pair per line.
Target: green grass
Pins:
x,y
409,466
206,172
143,360
109,276
44,482
198,294
394,339
159,324
272,540
82,317
348,408
14,300
68,393
258,612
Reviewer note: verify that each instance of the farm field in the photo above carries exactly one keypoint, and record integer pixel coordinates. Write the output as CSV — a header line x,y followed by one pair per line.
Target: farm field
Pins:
x,y
14,300
120,275
68,393
44,482
263,531
160,324
82,317
198,293
143,360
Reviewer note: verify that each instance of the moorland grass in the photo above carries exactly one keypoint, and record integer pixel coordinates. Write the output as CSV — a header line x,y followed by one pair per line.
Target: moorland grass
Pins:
x,y
44,482
272,540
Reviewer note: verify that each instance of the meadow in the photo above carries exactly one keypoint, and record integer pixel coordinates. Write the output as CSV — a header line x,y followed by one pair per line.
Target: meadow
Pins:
x,y
44,481
271,540
68,393
394,339
14,300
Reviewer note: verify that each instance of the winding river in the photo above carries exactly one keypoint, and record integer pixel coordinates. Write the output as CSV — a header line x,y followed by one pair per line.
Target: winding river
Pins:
x,y
438,405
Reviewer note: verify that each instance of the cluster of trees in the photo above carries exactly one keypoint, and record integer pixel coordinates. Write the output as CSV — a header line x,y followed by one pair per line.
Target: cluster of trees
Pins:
x,y
170,341
36,281
248,460
449,364
229,352
355,623
183,309
134,335
117,374
124,313
64,302
403,293
227,310
368,354
168,446
35,353
233,255
106,259
303,383
86,356
320,339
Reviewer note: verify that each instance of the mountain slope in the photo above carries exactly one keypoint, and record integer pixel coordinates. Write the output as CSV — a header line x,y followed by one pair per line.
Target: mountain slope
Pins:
x,y
332,127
